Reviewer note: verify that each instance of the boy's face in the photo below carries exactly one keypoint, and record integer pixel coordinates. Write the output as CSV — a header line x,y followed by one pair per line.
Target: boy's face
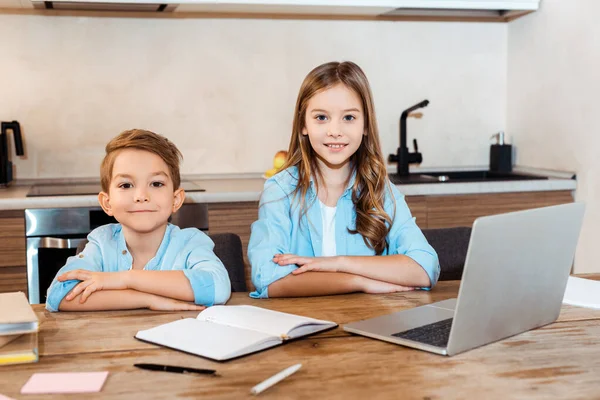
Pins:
x,y
141,195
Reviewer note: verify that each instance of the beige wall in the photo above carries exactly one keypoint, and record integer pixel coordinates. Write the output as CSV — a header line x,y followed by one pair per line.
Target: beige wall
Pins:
x,y
224,90
553,89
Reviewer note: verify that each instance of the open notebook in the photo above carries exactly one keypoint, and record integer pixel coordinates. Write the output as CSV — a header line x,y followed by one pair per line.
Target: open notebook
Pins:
x,y
224,332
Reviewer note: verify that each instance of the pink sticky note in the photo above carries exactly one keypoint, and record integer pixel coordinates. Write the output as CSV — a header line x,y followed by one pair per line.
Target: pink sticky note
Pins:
x,y
3,397
73,382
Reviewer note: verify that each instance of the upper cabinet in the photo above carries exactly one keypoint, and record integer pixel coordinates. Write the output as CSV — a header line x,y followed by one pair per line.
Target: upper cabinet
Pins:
x,y
357,7
12,4
480,10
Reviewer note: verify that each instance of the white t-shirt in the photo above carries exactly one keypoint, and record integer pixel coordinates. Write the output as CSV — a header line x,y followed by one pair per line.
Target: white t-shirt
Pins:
x,y
328,215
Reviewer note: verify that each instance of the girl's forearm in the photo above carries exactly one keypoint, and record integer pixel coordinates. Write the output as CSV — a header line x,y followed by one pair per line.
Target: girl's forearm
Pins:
x,y
397,269
315,284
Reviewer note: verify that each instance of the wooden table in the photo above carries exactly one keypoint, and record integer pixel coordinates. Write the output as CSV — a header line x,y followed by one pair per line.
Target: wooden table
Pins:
x,y
561,360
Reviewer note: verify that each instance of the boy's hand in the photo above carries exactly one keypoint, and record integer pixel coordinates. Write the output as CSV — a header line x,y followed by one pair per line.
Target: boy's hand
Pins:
x,y
92,282
378,287
305,264
159,303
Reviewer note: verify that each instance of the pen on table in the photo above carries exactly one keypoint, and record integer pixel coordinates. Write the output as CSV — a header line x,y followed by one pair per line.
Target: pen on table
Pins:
x,y
176,369
278,377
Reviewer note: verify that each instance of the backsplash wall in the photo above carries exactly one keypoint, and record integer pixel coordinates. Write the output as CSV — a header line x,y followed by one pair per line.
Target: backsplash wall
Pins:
x,y
223,90
553,99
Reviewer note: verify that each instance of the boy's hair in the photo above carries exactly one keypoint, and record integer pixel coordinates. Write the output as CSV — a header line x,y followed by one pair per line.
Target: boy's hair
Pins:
x,y
141,140
368,193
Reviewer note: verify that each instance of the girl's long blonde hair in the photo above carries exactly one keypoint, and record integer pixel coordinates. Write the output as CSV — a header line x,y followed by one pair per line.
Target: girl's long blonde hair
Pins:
x,y
368,191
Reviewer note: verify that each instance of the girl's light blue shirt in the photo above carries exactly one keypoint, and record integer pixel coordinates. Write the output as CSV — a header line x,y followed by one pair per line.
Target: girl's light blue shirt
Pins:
x,y
188,249
279,230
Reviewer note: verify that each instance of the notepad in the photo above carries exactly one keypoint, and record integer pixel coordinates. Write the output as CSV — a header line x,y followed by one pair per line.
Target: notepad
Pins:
x,y
59,382
225,332
582,292
18,329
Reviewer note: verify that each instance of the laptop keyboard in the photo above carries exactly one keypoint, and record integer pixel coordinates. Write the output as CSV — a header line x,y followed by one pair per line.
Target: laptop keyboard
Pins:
x,y
436,334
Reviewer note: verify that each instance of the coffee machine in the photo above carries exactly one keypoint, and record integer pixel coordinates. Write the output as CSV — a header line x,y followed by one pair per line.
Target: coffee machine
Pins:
x,y
6,171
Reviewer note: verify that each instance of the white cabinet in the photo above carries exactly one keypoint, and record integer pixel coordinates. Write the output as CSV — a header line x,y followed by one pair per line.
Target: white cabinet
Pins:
x,y
12,4
353,7
375,9
507,5
340,7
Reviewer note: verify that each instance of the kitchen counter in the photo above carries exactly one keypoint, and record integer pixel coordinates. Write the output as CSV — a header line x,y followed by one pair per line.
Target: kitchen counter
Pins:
x,y
247,187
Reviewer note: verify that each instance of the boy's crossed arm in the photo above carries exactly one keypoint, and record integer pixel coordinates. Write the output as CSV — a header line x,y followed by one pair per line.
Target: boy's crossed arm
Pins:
x,y
127,299
173,284
156,290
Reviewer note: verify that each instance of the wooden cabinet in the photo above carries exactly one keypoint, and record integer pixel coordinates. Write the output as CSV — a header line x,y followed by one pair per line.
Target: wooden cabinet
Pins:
x,y
13,273
461,210
430,212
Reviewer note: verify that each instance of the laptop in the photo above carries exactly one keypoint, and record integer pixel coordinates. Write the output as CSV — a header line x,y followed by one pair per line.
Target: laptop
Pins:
x,y
514,279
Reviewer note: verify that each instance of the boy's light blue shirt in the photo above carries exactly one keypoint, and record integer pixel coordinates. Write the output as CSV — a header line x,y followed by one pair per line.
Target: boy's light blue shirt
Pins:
x,y
188,249
279,230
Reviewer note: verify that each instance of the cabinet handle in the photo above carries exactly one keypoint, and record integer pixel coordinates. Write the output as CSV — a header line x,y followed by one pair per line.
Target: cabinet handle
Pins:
x,y
58,243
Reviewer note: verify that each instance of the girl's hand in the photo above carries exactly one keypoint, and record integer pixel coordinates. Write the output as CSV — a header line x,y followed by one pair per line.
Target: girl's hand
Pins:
x,y
92,282
160,303
316,264
378,287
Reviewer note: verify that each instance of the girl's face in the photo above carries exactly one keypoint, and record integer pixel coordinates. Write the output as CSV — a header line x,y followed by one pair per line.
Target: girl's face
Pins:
x,y
335,125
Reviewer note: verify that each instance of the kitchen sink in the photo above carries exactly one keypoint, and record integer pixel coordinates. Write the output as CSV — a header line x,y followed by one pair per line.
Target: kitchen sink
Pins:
x,y
461,177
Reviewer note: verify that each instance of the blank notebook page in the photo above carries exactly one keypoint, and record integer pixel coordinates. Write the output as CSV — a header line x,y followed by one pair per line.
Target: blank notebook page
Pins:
x,y
208,339
582,292
256,318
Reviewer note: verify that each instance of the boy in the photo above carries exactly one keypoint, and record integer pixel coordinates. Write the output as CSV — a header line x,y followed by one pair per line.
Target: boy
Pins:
x,y
143,261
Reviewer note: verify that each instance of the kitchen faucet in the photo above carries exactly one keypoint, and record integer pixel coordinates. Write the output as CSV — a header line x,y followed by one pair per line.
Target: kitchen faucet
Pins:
x,y
404,157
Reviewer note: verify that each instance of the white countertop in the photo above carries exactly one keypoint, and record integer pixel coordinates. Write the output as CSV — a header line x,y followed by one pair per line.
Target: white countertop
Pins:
x,y
247,187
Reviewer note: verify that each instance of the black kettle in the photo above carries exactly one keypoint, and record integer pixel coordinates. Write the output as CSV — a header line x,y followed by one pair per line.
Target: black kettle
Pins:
x,y
6,171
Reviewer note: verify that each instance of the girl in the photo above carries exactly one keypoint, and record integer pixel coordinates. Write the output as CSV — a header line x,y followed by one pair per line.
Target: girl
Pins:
x,y
331,221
